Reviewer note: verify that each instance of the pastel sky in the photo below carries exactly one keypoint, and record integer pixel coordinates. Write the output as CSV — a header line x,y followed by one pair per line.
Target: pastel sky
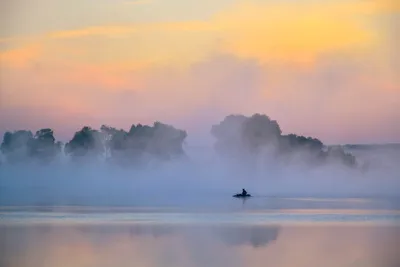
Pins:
x,y
323,68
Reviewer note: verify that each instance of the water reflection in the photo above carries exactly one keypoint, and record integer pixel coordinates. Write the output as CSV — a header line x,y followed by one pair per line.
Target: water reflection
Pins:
x,y
255,236
234,235
148,245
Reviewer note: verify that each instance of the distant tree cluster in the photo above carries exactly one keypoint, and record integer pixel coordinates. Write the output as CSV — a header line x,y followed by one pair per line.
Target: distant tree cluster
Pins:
x,y
236,135
143,142
159,141
85,143
23,145
241,135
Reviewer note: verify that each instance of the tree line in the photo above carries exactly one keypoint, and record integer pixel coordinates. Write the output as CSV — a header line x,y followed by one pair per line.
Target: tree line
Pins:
x,y
239,135
235,135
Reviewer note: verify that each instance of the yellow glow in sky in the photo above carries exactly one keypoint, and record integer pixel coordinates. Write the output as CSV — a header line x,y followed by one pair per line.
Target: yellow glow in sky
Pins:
x,y
294,60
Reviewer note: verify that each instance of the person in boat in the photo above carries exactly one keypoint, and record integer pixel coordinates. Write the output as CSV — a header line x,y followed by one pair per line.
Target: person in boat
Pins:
x,y
244,192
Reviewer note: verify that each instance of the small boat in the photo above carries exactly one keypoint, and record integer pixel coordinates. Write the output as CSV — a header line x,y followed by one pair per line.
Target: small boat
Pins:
x,y
241,195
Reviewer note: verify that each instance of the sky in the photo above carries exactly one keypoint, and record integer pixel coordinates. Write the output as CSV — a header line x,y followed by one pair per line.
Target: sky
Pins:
x,y
328,68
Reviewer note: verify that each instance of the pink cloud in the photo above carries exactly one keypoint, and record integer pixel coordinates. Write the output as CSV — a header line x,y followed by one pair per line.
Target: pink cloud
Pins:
x,y
337,100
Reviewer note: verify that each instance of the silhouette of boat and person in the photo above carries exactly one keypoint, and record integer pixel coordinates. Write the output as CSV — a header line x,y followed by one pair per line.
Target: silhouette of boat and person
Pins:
x,y
244,194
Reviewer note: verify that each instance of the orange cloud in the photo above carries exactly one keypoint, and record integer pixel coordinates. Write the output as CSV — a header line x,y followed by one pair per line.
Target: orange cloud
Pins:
x,y
289,32
89,68
107,31
20,57
271,31
108,78
112,31
387,6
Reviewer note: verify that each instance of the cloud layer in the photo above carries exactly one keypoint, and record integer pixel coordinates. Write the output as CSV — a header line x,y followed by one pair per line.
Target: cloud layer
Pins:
x,y
315,67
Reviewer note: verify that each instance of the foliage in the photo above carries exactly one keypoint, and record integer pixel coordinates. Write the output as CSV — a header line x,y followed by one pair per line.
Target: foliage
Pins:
x,y
15,145
44,146
244,136
227,134
86,142
22,145
235,135
160,141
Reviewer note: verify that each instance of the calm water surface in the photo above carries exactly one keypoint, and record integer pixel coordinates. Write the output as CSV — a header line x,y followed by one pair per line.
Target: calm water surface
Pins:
x,y
340,236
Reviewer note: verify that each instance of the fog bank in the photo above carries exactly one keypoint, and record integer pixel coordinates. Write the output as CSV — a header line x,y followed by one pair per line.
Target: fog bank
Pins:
x,y
203,179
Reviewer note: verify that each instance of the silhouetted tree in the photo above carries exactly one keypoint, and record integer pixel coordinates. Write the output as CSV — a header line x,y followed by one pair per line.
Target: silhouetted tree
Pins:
x,y
21,146
245,136
167,141
112,139
144,142
43,145
238,133
15,145
228,134
292,142
259,131
86,142
336,153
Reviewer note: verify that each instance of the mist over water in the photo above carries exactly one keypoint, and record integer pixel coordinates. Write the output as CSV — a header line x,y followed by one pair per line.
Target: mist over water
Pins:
x,y
203,179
